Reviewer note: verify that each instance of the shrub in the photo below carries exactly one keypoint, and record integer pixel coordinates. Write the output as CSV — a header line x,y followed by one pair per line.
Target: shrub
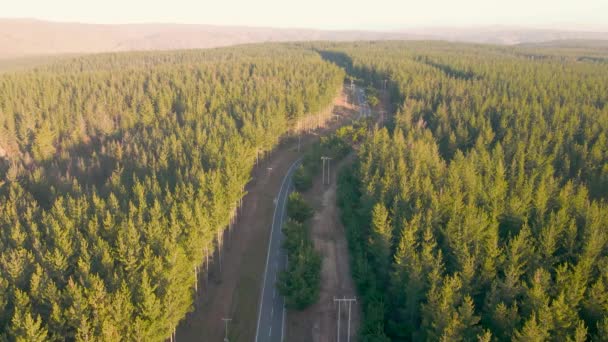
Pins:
x,y
301,282
302,179
297,209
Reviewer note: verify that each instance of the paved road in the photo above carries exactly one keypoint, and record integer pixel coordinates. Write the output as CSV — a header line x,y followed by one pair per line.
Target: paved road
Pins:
x,y
271,316
364,110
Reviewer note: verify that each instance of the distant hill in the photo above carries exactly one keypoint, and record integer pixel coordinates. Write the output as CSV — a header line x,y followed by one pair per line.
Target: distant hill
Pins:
x,y
30,37
570,44
27,37
582,50
506,35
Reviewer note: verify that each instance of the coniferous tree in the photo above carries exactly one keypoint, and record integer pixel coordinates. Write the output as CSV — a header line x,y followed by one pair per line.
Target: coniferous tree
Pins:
x,y
490,174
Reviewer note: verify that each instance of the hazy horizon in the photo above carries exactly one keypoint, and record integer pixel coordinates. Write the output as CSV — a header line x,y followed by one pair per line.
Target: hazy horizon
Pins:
x,y
412,28
381,15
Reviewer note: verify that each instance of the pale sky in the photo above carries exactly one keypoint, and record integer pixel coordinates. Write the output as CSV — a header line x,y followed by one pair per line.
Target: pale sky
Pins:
x,y
322,14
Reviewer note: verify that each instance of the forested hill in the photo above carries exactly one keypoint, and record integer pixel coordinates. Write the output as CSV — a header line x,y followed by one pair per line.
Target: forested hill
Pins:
x,y
481,213
118,171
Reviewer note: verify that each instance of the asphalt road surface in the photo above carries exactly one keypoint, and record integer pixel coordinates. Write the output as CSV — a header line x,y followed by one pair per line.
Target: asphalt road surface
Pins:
x,y
364,110
271,316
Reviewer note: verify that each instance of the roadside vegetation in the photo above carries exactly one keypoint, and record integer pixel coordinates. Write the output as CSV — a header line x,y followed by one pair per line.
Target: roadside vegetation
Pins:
x,y
335,146
372,96
300,282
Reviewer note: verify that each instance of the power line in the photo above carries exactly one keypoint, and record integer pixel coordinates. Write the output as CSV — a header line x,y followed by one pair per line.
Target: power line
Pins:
x,y
326,160
350,302
226,321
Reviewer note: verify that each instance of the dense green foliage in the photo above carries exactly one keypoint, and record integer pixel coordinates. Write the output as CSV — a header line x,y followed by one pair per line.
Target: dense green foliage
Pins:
x,y
119,173
297,208
302,178
301,281
335,146
481,213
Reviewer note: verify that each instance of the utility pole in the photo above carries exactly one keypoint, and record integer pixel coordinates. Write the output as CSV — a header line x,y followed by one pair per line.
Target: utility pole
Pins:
x,y
328,172
323,170
226,321
299,133
196,280
173,337
219,247
350,302
326,159
207,268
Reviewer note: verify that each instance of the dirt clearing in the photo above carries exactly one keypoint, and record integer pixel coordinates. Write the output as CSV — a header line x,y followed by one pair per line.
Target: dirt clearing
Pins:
x,y
318,323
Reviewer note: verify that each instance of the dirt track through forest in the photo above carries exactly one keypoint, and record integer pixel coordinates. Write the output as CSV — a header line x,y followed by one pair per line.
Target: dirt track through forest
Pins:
x,y
234,291
318,323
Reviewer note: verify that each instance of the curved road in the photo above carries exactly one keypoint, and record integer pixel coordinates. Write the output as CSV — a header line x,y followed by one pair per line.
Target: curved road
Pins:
x,y
271,316
364,110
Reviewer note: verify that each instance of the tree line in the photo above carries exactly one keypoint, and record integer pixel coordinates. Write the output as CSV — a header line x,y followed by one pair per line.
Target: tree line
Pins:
x,y
301,281
120,172
480,212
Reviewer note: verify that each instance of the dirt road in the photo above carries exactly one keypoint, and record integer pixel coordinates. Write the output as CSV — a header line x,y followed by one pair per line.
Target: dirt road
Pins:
x,y
234,292
318,323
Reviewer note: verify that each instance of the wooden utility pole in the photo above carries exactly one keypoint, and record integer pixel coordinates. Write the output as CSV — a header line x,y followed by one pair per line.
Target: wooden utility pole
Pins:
x,y
226,321
207,259
326,160
219,247
350,302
